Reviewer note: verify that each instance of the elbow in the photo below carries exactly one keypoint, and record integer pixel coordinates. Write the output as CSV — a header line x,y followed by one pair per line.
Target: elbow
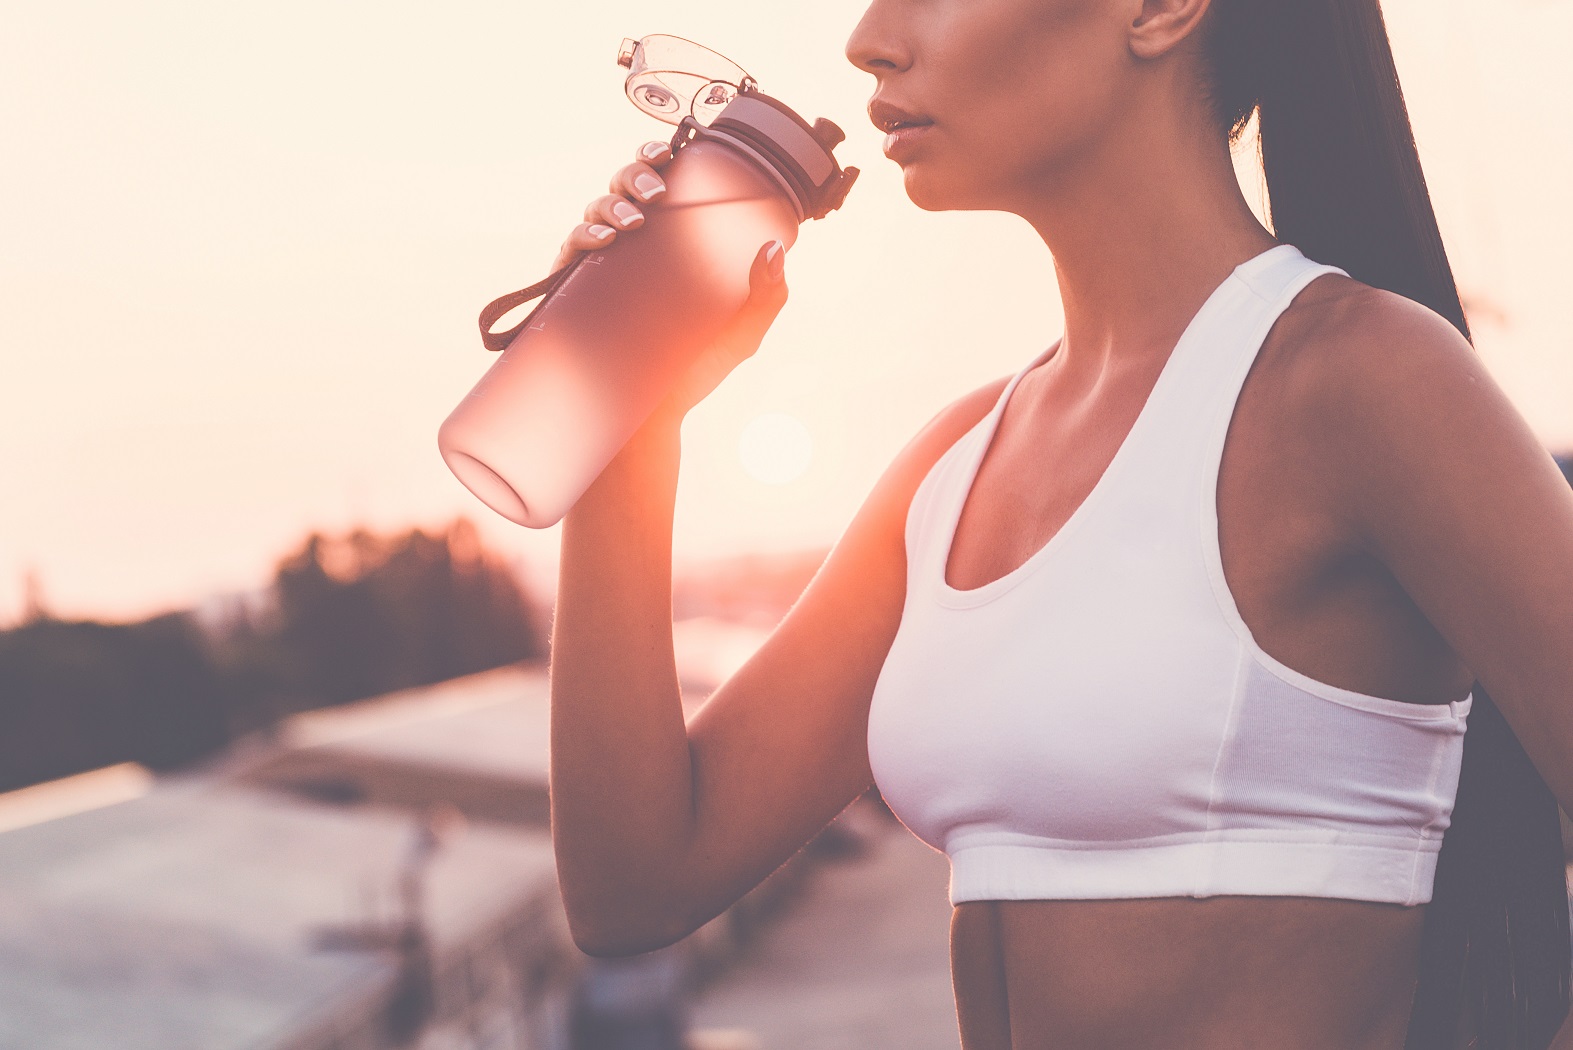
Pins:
x,y
625,904
619,944
629,928
620,940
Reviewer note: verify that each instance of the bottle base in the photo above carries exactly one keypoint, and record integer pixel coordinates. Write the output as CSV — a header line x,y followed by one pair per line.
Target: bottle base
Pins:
x,y
492,490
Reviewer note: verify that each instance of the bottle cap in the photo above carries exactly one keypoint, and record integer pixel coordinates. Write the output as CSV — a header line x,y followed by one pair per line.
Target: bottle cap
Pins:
x,y
707,96
801,157
671,78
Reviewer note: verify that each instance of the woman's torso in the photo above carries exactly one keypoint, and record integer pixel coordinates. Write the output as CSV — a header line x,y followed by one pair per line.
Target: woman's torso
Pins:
x,y
1220,971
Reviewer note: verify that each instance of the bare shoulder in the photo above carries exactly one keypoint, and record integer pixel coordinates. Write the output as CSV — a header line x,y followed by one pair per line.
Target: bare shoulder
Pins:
x,y
947,426
1373,378
951,422
893,494
1350,348
1401,412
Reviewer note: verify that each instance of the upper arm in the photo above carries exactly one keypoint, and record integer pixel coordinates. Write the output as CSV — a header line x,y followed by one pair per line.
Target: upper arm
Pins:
x,y
781,747
1445,483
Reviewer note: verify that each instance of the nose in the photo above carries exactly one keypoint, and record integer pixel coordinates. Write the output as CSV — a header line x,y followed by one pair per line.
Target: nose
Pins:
x,y
873,47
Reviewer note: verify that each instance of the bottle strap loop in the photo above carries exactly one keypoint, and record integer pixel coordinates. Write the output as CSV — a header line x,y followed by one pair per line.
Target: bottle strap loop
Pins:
x,y
501,305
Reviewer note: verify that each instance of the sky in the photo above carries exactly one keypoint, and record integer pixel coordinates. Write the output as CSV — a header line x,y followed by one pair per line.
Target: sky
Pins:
x,y
242,251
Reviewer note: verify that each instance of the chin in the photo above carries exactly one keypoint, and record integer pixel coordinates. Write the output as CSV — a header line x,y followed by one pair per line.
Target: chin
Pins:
x,y
932,191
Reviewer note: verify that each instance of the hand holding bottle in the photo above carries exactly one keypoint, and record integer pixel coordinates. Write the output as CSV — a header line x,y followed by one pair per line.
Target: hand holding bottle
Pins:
x,y
638,186
631,335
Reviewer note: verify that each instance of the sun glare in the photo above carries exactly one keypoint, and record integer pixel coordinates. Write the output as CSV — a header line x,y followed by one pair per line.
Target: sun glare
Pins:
x,y
775,448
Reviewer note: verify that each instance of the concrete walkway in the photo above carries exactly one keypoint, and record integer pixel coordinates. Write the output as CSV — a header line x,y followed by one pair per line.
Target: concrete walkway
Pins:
x,y
858,960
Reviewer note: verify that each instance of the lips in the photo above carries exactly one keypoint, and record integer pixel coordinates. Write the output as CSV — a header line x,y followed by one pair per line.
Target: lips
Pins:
x,y
889,117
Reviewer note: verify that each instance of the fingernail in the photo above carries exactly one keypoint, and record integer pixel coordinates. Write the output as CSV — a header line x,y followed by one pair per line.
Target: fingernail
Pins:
x,y
775,259
600,232
625,212
652,150
647,186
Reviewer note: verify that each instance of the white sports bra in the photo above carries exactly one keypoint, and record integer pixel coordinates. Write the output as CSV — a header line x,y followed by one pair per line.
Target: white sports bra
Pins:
x,y
1100,722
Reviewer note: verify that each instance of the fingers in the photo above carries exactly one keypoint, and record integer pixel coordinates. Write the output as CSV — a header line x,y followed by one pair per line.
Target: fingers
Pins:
x,y
640,181
587,236
655,153
604,217
633,185
615,211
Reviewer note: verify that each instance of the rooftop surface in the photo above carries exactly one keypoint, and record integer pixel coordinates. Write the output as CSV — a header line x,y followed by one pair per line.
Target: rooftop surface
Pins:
x,y
188,918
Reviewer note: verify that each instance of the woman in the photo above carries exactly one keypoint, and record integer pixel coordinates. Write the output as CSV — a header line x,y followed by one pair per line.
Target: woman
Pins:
x,y
1169,638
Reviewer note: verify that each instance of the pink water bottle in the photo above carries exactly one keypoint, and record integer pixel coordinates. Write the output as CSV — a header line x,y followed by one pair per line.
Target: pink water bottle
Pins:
x,y
619,326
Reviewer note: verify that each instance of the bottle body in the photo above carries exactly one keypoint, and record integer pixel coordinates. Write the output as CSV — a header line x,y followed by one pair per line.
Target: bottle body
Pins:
x,y
614,335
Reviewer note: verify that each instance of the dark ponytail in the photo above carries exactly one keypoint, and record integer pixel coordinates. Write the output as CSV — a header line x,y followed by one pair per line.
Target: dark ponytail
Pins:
x,y
1344,185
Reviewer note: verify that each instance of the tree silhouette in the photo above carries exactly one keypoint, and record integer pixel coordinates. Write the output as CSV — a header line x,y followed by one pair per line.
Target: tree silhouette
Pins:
x,y
362,614
347,618
77,695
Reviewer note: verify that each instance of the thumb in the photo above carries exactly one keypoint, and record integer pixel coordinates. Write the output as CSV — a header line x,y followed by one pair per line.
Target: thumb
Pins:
x,y
775,259
767,287
769,266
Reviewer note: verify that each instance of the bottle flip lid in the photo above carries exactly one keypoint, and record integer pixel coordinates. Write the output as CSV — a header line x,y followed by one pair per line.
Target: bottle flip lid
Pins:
x,y
671,78
708,96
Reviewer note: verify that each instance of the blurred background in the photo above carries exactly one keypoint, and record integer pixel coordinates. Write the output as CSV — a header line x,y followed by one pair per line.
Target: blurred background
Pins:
x,y
270,677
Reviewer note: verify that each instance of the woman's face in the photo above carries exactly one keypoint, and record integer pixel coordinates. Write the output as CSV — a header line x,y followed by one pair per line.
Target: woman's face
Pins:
x,y
1015,89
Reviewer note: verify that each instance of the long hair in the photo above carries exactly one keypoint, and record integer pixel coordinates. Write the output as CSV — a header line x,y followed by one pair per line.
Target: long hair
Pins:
x,y
1344,185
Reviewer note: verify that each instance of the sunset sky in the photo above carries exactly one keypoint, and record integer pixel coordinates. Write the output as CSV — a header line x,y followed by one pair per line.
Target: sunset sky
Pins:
x,y
243,250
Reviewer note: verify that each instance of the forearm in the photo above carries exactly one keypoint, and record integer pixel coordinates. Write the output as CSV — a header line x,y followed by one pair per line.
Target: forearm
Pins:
x,y
621,784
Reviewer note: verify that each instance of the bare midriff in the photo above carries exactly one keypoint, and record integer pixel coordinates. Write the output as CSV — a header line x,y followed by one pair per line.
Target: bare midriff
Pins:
x,y
1213,973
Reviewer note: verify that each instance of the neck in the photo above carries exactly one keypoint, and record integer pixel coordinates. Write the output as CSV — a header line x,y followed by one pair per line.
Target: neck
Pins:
x,y
1142,230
